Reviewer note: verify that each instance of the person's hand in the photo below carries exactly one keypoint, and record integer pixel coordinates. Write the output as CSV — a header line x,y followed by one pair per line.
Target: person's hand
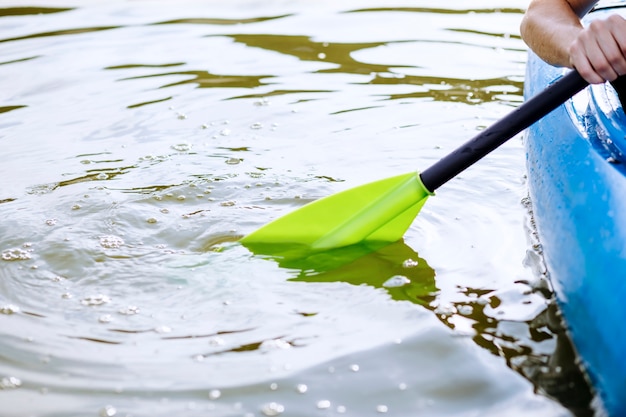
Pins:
x,y
599,51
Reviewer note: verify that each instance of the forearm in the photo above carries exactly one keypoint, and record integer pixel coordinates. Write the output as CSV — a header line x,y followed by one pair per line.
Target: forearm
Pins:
x,y
550,27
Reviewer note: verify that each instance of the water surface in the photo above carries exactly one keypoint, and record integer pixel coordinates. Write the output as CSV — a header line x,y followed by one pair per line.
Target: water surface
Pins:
x,y
141,139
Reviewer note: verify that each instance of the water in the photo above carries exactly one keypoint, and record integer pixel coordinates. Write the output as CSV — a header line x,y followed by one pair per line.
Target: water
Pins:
x,y
142,139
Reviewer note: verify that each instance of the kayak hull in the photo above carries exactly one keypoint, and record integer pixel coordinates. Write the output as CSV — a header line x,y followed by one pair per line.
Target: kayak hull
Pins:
x,y
577,187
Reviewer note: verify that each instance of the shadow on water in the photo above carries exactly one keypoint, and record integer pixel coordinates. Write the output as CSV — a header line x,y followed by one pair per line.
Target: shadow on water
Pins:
x,y
397,269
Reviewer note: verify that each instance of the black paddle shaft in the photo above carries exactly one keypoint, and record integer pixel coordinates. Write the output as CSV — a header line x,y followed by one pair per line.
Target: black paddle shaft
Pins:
x,y
504,129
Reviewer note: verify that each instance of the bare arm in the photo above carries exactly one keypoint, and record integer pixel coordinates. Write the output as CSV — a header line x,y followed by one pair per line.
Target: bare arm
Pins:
x,y
552,29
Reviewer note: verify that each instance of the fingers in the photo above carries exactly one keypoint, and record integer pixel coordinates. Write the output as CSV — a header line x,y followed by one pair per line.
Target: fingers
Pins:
x,y
599,52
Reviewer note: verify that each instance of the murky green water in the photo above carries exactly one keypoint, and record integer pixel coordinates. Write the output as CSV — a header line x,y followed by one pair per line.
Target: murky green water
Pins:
x,y
141,139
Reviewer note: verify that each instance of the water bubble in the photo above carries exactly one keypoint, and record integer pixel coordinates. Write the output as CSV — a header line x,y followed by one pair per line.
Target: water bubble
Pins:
x,y
321,55
483,301
214,394
445,309
108,411
354,368
129,311
273,386
382,408
180,198
181,116
341,409
9,309
233,161
274,344
164,211
51,222
396,281
225,132
402,386
76,207
95,300
15,254
301,388
227,203
323,404
105,318
10,382
466,310
262,102
182,147
409,263
216,341
66,295
102,176
272,409
163,329
111,242
151,220
256,126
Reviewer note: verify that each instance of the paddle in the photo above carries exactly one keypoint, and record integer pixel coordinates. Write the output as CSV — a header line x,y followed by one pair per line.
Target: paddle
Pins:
x,y
382,211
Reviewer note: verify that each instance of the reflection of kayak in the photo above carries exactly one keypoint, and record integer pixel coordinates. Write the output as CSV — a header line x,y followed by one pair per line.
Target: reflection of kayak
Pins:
x,y
577,181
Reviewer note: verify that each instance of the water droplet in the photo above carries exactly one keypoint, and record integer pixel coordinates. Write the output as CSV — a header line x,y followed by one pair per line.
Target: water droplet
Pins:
x,y
66,295
151,220
272,409
214,394
227,203
301,388
9,309
354,368
108,411
256,126
15,254
396,281
321,55
10,382
111,242
225,132
382,408
233,161
181,116
164,211
273,386
323,404
76,207
51,222
181,198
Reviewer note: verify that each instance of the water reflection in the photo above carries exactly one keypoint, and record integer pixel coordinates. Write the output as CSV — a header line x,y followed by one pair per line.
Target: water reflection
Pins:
x,y
398,270
25,11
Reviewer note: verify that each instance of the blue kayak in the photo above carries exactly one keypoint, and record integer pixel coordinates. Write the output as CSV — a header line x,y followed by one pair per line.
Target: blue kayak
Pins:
x,y
577,183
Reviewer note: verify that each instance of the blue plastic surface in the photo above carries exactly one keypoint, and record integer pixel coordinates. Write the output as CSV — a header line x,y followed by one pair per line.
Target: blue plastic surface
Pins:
x,y
578,191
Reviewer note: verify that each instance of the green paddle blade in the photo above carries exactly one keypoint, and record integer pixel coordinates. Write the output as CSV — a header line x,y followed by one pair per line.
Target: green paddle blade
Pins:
x,y
380,211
